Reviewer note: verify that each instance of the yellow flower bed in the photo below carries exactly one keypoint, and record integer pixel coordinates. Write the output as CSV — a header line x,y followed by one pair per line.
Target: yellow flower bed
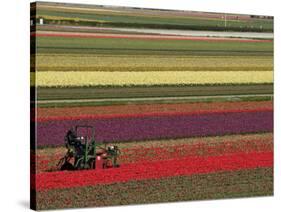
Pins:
x,y
84,78
70,62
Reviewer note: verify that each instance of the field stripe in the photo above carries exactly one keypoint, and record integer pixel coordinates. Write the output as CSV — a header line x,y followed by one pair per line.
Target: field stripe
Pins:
x,y
137,99
159,127
156,150
235,184
137,36
150,108
153,170
150,114
153,78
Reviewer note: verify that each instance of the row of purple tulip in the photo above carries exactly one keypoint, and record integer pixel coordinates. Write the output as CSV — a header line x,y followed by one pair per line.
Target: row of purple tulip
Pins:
x,y
51,133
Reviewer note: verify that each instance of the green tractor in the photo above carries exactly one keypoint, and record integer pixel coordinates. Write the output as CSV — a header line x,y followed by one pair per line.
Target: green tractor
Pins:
x,y
83,151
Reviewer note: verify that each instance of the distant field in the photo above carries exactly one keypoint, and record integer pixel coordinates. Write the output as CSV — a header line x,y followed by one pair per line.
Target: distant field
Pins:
x,y
150,19
144,31
84,59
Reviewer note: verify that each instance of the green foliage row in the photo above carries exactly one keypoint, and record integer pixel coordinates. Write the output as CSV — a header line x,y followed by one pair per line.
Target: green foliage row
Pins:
x,y
67,45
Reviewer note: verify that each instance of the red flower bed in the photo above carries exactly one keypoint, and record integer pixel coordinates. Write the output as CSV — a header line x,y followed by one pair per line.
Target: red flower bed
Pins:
x,y
149,114
45,113
154,151
154,170
141,154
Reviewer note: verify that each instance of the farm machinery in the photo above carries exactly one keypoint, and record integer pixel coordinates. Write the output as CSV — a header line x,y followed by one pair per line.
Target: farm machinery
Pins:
x,y
83,152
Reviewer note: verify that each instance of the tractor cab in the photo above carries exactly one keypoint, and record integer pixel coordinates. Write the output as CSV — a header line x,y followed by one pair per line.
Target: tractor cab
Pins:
x,y
83,151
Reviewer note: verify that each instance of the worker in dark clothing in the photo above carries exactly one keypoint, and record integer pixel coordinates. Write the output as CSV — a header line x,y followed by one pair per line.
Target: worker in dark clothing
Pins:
x,y
75,141
71,137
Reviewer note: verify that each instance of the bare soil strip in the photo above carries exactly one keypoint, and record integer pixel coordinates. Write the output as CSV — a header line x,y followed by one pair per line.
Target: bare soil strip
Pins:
x,y
149,99
197,33
137,36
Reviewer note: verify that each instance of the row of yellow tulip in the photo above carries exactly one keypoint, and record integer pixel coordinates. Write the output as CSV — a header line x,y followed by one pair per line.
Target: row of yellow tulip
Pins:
x,y
84,62
84,78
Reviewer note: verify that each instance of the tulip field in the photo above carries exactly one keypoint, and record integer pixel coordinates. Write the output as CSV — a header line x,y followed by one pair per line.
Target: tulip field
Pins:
x,y
191,115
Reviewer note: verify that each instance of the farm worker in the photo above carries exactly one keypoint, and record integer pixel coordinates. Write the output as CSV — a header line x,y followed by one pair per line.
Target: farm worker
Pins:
x,y
71,137
73,140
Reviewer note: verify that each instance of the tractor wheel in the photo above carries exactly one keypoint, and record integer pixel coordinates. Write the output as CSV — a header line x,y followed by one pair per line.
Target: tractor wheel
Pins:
x,y
67,166
107,164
